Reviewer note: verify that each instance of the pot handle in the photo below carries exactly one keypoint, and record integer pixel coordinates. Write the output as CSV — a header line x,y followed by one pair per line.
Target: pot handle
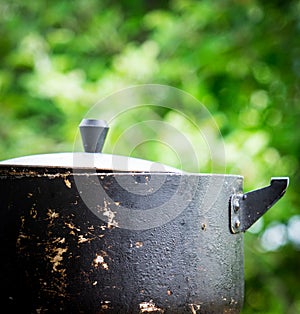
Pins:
x,y
246,209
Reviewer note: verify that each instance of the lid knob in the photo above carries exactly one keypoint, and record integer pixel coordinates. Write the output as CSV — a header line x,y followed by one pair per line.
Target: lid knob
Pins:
x,y
93,134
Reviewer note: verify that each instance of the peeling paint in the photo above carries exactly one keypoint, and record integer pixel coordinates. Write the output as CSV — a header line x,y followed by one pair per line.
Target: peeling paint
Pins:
x,y
105,305
195,308
68,183
56,260
72,226
111,222
54,253
52,214
139,244
147,307
58,251
33,213
82,239
99,261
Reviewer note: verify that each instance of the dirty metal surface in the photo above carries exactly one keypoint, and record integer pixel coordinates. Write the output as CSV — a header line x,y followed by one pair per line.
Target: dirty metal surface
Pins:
x,y
59,256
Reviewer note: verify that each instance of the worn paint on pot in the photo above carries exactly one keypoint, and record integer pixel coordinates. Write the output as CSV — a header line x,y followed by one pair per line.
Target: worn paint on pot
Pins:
x,y
84,240
60,257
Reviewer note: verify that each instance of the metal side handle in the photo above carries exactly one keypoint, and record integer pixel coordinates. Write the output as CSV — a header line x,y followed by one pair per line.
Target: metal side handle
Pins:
x,y
246,209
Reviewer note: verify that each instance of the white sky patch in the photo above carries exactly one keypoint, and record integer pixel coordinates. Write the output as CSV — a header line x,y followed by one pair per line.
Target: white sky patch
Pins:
x,y
293,230
274,237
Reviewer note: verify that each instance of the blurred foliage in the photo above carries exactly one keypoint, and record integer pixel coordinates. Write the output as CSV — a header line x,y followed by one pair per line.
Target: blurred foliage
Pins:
x,y
240,58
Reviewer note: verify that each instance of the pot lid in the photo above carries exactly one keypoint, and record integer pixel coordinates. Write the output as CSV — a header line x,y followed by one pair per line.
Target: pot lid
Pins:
x,y
93,133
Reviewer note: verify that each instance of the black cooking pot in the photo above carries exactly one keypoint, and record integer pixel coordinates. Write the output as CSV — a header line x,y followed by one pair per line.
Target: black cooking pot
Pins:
x,y
96,233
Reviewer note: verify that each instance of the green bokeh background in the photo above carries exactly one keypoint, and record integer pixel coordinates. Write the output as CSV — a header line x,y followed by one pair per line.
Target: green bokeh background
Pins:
x,y
240,59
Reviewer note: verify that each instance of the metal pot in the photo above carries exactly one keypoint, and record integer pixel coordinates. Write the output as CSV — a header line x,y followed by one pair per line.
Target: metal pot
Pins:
x,y
82,235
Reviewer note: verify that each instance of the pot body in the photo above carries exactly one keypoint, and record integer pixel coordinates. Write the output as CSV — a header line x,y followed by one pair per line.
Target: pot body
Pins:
x,y
83,242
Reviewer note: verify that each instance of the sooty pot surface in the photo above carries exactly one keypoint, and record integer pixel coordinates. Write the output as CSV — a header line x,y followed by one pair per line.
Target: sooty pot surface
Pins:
x,y
89,239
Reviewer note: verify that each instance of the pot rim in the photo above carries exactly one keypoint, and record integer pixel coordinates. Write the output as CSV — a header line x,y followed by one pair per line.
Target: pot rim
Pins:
x,y
33,170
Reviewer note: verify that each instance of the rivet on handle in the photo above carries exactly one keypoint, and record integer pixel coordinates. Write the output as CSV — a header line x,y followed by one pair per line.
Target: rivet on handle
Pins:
x,y
246,209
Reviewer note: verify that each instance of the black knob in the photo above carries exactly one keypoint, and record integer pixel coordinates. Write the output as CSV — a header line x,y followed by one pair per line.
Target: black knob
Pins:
x,y
93,133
